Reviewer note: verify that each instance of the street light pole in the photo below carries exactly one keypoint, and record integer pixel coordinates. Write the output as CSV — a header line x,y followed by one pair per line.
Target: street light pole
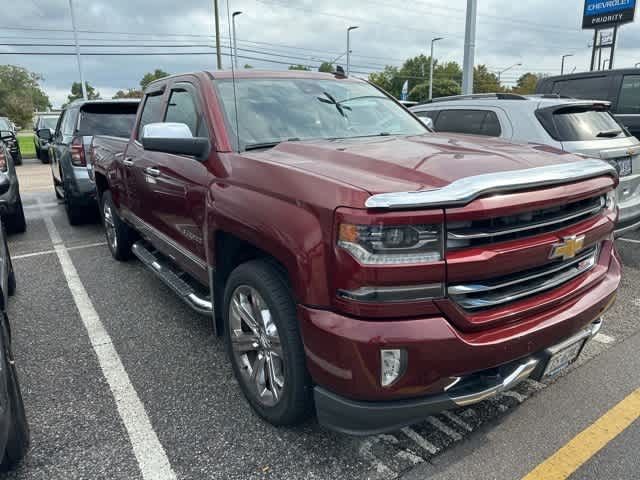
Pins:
x,y
433,41
235,41
506,70
349,49
563,57
469,47
75,39
216,14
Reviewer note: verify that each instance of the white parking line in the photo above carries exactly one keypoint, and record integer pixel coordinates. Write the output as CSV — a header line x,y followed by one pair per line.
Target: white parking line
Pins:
x,y
151,457
444,428
420,440
629,240
603,338
49,252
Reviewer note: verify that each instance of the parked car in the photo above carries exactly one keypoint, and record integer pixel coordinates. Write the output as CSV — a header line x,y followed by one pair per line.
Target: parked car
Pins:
x,y
356,263
68,149
577,126
11,141
44,120
619,87
11,209
14,429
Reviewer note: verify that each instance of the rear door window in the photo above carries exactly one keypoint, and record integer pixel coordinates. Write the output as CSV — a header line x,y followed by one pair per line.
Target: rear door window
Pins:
x,y
590,88
473,122
69,122
629,101
116,119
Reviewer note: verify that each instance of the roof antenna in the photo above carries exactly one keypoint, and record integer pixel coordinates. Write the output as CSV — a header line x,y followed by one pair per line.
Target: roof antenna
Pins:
x,y
233,77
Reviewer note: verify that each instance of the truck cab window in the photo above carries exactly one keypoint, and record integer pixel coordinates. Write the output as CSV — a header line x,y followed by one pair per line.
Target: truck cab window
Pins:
x,y
182,109
151,111
629,102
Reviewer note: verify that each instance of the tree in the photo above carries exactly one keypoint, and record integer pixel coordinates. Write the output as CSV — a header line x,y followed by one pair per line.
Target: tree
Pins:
x,y
20,94
157,74
527,83
326,67
76,92
387,80
484,81
442,87
131,93
299,67
246,65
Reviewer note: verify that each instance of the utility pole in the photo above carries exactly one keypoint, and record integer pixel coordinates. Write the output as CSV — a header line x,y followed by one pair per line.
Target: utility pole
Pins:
x,y
349,49
431,62
469,47
563,57
235,41
217,23
75,39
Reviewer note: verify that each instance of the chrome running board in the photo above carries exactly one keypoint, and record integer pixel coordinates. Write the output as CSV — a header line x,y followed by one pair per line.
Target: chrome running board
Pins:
x,y
163,268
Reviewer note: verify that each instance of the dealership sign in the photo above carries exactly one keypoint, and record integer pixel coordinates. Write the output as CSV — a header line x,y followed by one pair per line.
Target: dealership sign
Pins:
x,y
607,13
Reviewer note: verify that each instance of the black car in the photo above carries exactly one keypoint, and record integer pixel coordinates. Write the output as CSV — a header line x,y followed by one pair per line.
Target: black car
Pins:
x,y
11,209
12,143
620,87
14,429
70,145
44,120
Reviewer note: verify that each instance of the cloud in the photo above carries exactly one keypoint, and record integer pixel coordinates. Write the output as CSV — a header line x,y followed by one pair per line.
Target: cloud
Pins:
x,y
535,33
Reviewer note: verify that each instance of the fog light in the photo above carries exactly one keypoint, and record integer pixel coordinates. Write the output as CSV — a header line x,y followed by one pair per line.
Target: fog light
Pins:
x,y
392,366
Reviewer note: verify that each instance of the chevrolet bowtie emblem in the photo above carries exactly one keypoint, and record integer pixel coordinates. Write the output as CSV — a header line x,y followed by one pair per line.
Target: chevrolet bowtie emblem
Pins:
x,y
568,248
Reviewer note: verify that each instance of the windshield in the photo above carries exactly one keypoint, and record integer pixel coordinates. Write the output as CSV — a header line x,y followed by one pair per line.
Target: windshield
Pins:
x,y
276,110
49,122
115,120
579,124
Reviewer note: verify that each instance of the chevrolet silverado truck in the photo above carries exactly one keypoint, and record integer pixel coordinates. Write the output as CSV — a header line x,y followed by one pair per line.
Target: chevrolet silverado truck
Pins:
x,y
358,265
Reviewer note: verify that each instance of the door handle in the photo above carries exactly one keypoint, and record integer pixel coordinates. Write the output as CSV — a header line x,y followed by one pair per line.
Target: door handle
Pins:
x,y
128,162
154,172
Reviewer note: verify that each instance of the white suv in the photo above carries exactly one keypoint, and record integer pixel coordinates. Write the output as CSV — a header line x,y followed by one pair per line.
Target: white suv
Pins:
x,y
576,126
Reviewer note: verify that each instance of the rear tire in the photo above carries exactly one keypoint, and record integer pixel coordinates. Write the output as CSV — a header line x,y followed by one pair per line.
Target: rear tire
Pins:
x,y
16,223
18,435
277,354
120,236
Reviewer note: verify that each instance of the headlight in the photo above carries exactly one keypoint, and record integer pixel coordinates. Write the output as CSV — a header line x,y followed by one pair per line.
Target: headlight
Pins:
x,y
397,244
612,200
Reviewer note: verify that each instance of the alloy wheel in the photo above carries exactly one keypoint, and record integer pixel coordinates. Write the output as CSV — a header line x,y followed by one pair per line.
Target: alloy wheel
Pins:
x,y
110,227
256,346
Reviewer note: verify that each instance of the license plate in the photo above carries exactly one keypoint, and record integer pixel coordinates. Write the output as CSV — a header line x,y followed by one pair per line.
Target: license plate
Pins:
x,y
563,359
625,166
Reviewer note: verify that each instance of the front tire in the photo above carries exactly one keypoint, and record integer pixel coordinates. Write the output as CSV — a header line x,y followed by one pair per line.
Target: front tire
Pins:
x,y
120,236
18,435
16,222
264,344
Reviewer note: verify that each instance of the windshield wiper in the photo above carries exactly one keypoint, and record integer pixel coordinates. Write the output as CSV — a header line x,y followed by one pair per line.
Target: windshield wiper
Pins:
x,y
332,101
258,146
609,133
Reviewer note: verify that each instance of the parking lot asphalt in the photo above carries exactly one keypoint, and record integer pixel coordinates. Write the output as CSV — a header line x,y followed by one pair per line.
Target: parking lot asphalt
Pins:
x,y
179,373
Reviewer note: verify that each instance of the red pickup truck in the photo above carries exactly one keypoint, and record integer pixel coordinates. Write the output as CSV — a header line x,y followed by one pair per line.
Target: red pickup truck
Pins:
x,y
357,264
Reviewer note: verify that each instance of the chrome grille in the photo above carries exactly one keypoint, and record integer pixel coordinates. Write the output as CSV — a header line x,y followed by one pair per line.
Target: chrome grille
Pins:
x,y
507,289
535,222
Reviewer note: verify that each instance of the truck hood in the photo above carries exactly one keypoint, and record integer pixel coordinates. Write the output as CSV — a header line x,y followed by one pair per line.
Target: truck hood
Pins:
x,y
392,163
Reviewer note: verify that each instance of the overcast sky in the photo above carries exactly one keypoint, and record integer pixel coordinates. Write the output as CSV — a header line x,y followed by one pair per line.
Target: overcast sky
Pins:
x,y
535,33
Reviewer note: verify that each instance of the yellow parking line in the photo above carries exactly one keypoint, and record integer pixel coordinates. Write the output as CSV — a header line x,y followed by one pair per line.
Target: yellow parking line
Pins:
x,y
587,443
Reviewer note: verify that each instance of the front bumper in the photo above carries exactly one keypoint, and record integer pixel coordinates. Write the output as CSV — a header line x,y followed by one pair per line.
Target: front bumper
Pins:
x,y
343,359
371,418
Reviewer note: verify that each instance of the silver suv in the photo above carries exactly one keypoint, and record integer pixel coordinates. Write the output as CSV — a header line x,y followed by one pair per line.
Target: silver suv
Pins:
x,y
576,126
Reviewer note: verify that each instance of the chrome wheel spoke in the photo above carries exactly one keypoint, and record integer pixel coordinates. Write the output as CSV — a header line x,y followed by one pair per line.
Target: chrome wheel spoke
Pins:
x,y
257,378
275,382
245,342
276,346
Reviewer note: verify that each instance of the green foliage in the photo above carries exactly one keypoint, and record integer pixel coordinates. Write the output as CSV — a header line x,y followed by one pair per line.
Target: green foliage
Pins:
x,y
527,83
442,87
76,92
157,74
388,80
484,81
20,94
326,67
246,65
299,67
131,93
